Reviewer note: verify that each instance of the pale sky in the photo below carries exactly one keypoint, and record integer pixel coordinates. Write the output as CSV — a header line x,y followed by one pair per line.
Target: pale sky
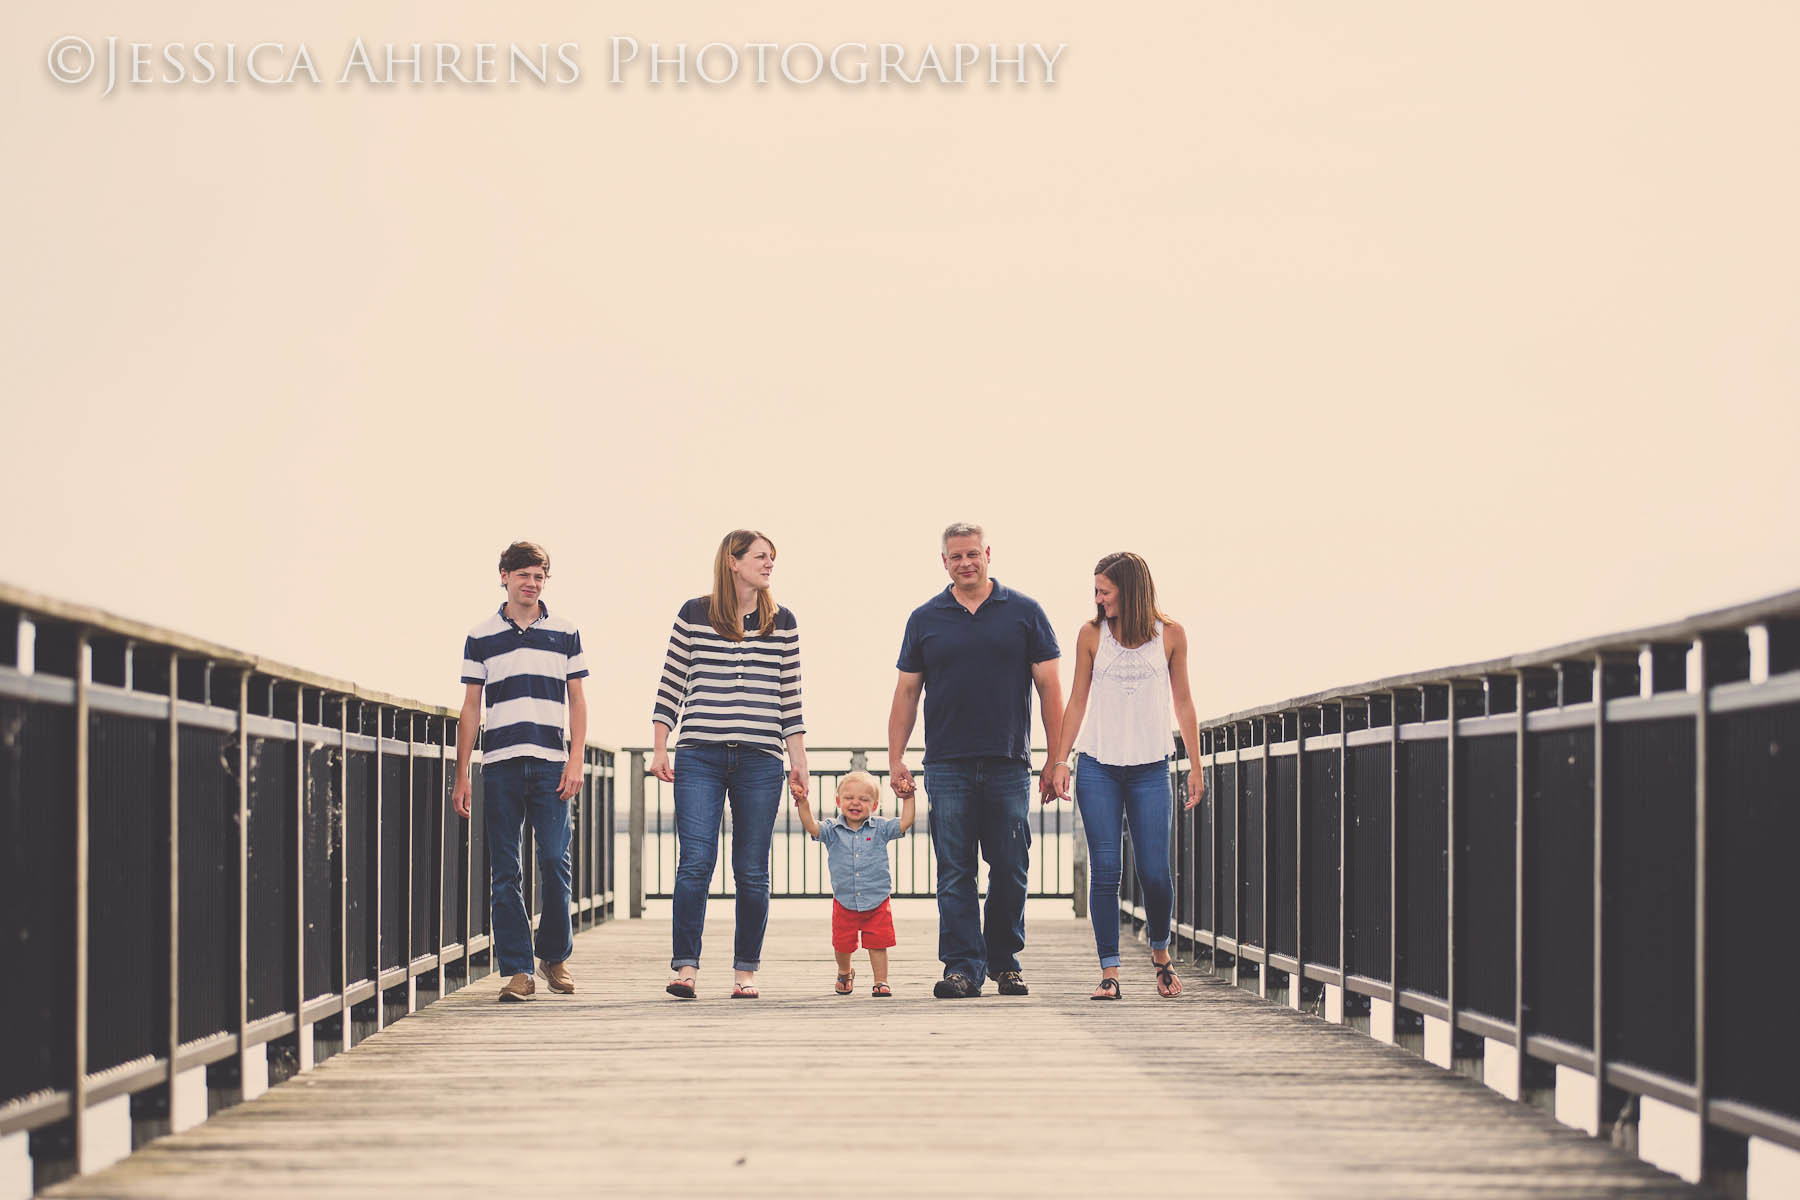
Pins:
x,y
1393,335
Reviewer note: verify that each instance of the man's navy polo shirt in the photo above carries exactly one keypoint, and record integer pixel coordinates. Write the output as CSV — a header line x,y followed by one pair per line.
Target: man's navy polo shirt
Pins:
x,y
977,669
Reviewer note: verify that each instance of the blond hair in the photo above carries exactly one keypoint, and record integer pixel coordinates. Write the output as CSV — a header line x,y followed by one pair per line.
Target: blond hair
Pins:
x,y
863,779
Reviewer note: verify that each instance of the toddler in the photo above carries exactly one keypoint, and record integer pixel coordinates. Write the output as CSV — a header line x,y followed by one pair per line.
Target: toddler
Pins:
x,y
855,844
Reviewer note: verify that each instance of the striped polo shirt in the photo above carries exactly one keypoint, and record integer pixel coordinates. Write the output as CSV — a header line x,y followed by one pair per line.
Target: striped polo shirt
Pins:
x,y
718,690
524,675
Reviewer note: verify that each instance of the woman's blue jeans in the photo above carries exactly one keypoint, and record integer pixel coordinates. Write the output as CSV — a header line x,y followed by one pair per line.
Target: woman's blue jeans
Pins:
x,y
705,778
1110,798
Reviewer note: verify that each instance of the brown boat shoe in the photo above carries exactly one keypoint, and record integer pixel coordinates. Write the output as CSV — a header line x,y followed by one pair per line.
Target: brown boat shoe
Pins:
x,y
558,977
519,987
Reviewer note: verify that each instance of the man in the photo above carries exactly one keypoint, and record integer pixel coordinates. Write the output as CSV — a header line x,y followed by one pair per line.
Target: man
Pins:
x,y
528,666
977,650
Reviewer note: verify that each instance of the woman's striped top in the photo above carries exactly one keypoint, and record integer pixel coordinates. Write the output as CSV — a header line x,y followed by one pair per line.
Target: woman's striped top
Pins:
x,y
718,690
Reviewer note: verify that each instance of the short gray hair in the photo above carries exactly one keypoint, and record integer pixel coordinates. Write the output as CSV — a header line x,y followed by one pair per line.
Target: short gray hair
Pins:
x,y
963,529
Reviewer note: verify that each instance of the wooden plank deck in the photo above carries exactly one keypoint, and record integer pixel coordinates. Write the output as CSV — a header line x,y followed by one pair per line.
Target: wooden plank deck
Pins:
x,y
620,1090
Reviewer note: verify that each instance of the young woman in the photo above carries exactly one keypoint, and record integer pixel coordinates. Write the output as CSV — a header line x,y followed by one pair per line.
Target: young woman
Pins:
x,y
1130,667
731,682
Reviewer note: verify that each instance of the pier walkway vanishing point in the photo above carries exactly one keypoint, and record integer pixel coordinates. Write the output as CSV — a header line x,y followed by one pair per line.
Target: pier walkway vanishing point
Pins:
x,y
620,1090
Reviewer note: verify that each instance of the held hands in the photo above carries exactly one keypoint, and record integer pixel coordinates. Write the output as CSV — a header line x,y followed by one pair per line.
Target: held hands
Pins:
x,y
659,766
1196,788
1058,786
901,780
799,784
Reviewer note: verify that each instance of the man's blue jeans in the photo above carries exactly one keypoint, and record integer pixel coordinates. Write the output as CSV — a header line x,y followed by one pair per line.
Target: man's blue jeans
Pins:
x,y
705,777
514,791
980,805
1109,799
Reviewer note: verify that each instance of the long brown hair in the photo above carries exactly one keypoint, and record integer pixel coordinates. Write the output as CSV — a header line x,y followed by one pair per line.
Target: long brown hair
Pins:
x,y
1138,613
722,606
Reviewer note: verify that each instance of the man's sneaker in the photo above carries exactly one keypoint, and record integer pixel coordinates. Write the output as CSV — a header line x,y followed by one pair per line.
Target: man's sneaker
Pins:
x,y
1012,984
519,987
955,987
558,977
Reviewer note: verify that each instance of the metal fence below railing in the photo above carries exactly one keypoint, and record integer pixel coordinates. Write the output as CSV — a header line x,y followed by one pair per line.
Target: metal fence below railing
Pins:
x,y
797,864
215,870
1573,861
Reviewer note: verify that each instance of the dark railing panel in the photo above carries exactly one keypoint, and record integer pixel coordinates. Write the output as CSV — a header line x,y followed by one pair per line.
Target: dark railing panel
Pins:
x,y
322,821
1559,885
396,807
1423,854
1181,846
1227,851
362,821
427,813
128,888
1250,854
1320,834
1753,827
1486,828
1203,851
1648,943
482,908
1368,786
453,887
269,926
37,774
207,797
1284,846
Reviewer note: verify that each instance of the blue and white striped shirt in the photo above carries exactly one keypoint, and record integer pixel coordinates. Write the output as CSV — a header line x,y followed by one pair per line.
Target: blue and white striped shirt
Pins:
x,y
525,674
719,690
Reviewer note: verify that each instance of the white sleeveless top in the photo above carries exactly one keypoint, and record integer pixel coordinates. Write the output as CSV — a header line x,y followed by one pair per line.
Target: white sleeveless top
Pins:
x,y
1128,711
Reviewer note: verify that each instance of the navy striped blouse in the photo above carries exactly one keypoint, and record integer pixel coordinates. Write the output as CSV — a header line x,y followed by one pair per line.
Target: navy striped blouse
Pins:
x,y
719,690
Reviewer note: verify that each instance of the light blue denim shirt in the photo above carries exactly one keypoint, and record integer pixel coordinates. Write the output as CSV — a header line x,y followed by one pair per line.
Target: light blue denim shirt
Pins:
x,y
860,879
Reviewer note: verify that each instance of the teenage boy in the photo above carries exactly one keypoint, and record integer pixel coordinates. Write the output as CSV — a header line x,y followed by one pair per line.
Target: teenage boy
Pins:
x,y
523,670
977,650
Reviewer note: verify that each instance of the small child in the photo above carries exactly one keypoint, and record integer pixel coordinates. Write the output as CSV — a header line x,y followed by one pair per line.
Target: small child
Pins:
x,y
856,847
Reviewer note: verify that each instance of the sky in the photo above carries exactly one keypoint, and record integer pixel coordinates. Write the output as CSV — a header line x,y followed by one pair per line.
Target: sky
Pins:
x,y
1392,335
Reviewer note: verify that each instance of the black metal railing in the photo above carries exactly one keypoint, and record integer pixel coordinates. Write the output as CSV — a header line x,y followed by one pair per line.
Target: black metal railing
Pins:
x,y
797,868
1585,854
211,861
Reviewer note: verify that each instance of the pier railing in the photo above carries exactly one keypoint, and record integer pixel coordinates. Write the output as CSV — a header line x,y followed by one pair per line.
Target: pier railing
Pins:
x,y
1575,865
216,869
797,868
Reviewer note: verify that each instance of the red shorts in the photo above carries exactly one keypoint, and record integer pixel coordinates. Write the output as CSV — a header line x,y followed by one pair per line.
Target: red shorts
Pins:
x,y
875,925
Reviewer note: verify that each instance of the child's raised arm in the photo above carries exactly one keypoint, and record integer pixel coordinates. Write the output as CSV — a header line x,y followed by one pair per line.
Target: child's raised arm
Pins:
x,y
906,811
806,816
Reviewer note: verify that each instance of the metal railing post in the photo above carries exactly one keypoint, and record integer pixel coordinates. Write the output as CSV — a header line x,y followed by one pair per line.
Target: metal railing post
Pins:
x,y
79,992
637,834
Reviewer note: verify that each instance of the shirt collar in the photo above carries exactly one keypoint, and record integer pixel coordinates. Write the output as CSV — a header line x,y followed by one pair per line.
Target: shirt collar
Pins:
x,y
543,615
947,598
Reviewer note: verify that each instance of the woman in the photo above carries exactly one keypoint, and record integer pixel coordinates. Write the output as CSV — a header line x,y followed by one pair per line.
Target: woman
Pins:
x,y
732,683
1130,664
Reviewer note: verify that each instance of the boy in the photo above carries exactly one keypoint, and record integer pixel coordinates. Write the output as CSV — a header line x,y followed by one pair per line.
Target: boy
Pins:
x,y
856,846
528,668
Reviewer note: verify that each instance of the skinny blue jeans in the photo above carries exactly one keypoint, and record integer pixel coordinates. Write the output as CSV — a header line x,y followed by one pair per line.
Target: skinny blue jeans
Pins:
x,y
512,792
980,805
1110,799
706,777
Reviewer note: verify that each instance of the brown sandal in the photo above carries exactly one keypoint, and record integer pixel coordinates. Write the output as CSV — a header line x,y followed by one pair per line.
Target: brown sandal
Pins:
x,y
845,982
881,989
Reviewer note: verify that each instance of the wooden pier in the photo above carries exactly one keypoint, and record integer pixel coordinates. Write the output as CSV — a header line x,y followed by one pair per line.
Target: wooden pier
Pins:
x,y
621,1090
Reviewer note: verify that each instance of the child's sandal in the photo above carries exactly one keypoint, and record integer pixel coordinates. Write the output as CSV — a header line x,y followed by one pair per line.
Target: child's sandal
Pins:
x,y
881,989
845,982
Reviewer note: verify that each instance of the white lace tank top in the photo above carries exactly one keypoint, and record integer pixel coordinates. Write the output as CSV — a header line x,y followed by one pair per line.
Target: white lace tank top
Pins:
x,y
1128,710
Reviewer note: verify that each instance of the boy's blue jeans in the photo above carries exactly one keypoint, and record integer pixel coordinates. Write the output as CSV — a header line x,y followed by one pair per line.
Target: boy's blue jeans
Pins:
x,y
705,776
514,791
1109,799
980,805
